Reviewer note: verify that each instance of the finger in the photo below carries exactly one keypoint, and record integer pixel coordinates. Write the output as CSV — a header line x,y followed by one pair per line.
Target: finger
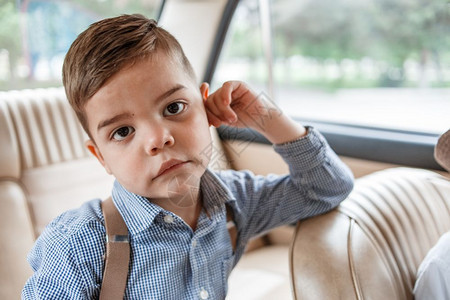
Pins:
x,y
224,113
219,104
240,89
218,116
213,119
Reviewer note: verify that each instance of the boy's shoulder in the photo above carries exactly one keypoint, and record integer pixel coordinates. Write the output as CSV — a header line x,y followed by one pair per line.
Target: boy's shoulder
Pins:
x,y
227,178
227,175
74,220
239,184
71,246
232,178
83,223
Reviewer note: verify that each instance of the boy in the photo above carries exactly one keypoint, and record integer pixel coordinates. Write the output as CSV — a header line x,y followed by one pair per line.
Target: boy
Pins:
x,y
136,96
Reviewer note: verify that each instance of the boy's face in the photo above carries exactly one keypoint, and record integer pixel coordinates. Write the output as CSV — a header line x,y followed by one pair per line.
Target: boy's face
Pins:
x,y
150,126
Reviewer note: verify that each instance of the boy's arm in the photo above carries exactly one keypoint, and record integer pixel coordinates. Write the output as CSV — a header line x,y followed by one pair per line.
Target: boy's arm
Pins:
x,y
234,104
318,180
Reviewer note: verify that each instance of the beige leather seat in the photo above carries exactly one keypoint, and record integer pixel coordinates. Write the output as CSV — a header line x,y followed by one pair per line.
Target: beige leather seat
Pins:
x,y
43,164
371,246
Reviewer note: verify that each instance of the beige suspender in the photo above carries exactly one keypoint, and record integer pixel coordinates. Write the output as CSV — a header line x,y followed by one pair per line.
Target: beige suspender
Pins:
x,y
117,257
117,253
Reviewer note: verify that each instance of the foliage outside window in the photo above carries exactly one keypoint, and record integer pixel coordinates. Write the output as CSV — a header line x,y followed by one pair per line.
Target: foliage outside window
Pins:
x,y
380,63
36,34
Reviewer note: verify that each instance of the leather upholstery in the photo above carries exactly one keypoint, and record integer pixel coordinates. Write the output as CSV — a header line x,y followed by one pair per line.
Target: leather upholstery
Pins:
x,y
45,170
370,247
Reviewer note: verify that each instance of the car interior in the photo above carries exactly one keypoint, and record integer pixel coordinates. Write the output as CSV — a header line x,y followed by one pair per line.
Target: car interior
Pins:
x,y
370,247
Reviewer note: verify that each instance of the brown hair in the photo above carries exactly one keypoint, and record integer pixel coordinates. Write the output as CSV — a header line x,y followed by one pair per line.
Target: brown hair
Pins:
x,y
105,48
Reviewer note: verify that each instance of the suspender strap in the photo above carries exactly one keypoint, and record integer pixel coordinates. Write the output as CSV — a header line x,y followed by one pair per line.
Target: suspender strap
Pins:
x,y
118,250
117,253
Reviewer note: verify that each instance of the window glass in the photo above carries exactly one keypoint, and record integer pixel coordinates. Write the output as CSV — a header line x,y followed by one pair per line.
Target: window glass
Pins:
x,y
242,57
378,63
36,34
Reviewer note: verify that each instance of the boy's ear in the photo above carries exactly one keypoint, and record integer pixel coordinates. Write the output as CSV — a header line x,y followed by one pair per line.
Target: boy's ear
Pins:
x,y
92,147
204,90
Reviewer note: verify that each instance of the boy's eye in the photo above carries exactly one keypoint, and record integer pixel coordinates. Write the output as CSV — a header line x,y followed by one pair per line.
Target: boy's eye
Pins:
x,y
122,133
174,108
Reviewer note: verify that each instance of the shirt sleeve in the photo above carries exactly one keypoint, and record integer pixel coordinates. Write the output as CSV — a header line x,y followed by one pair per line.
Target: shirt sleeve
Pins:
x,y
432,283
66,260
433,277
318,182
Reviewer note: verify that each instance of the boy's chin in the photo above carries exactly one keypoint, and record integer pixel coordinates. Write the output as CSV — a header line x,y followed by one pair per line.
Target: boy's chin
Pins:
x,y
183,190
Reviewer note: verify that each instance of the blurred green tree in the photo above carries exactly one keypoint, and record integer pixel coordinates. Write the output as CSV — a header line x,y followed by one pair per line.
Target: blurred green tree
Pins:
x,y
10,34
385,30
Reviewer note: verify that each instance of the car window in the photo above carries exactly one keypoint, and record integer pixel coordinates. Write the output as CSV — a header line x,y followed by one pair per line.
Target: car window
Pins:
x,y
35,35
375,63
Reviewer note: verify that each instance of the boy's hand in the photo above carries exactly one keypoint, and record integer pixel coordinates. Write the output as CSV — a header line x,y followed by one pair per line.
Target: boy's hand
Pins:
x,y
235,104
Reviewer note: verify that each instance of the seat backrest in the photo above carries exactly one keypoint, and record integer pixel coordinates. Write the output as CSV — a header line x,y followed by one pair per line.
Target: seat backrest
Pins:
x,y
45,170
371,246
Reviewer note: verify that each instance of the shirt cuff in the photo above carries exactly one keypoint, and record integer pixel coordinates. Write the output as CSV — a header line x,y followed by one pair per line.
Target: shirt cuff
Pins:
x,y
306,152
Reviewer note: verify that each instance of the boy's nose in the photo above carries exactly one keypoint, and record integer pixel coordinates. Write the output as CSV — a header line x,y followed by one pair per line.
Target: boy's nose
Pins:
x,y
158,141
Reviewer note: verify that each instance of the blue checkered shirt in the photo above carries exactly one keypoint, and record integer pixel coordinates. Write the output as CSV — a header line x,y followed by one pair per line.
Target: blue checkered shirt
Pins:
x,y
168,259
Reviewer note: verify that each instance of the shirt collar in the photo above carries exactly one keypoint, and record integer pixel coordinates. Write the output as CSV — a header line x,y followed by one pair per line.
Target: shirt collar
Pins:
x,y
214,192
139,213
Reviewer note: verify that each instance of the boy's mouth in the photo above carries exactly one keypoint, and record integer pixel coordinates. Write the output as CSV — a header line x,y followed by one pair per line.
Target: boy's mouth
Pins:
x,y
169,165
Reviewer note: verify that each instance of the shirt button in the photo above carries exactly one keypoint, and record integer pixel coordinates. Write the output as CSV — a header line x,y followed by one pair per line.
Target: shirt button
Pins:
x,y
194,243
168,219
204,294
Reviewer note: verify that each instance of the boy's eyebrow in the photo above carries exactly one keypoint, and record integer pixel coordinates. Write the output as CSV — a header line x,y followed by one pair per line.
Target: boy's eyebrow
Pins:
x,y
128,115
169,92
112,120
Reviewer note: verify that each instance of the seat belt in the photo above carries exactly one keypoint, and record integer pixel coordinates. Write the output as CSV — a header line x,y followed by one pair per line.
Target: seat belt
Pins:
x,y
117,256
